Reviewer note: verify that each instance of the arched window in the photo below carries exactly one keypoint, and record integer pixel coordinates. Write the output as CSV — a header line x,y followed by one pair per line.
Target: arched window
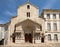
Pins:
x,y
49,37
28,6
55,37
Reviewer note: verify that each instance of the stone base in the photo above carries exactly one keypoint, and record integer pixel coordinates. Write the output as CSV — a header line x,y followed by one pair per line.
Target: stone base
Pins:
x,y
35,45
19,41
37,41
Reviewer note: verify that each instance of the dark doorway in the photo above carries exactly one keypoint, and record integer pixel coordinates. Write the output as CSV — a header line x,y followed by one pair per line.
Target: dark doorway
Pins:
x,y
13,38
28,38
2,42
42,39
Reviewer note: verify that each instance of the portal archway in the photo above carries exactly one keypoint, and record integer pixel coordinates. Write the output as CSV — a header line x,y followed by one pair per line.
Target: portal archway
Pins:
x,y
28,32
28,29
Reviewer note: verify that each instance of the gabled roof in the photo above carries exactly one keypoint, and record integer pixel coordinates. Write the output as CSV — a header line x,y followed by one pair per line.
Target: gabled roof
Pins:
x,y
29,3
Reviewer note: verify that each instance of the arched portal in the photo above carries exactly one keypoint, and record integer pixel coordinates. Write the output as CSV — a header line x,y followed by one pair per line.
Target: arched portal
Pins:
x,y
26,32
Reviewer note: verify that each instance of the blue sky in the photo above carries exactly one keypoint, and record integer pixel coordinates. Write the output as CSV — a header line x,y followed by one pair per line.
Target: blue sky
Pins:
x,y
8,8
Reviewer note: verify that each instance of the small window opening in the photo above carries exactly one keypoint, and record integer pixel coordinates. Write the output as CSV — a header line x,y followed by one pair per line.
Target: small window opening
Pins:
x,y
28,14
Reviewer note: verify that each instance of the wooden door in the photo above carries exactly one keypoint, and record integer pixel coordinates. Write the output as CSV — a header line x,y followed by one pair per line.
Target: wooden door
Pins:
x,y
26,38
42,39
30,38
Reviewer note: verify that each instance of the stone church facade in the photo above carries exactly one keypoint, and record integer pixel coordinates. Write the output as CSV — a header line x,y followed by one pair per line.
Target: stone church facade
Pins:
x,y
30,27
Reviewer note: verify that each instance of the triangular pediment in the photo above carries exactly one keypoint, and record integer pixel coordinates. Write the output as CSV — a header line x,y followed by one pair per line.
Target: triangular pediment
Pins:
x,y
28,21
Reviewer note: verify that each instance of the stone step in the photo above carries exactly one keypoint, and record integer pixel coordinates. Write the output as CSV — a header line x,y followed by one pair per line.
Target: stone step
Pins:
x,y
33,45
